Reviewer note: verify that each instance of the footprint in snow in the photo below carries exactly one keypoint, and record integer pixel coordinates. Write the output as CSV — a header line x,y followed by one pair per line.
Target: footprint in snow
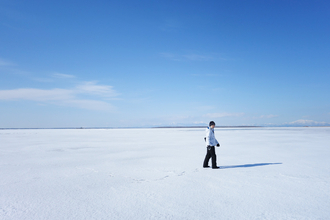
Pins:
x,y
181,174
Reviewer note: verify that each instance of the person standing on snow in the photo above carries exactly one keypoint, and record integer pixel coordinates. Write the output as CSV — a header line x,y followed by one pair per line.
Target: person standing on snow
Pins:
x,y
210,143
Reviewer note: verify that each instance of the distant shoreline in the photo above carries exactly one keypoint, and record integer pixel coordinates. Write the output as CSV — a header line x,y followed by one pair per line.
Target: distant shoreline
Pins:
x,y
135,127
206,126
162,127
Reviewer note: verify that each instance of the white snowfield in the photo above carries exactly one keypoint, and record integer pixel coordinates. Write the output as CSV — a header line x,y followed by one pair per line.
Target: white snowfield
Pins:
x,y
266,173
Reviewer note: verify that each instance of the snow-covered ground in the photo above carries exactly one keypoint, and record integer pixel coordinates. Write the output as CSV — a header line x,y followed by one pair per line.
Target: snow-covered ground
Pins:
x,y
266,173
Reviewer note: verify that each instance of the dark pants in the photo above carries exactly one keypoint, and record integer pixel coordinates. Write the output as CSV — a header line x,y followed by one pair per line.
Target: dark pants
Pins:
x,y
210,153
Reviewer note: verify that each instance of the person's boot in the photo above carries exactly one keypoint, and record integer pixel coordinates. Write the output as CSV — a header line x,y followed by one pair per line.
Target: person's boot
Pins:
x,y
206,166
215,167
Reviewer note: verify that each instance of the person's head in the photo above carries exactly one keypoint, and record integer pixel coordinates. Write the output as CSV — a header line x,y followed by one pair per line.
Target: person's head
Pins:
x,y
211,124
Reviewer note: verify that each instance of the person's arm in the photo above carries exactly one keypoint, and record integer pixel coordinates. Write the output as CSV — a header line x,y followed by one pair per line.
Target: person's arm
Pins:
x,y
216,141
208,138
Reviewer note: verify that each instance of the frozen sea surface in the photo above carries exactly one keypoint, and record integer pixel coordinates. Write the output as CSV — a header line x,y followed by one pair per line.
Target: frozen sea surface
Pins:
x,y
266,173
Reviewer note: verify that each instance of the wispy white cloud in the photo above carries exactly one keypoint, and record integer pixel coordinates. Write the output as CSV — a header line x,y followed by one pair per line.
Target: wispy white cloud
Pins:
x,y
95,89
37,94
9,67
197,57
5,63
66,97
223,114
53,77
63,76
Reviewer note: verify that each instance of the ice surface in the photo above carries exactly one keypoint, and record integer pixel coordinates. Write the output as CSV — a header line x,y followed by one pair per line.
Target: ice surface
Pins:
x,y
266,173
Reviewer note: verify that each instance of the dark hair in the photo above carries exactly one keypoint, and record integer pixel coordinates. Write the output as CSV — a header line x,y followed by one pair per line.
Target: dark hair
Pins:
x,y
211,123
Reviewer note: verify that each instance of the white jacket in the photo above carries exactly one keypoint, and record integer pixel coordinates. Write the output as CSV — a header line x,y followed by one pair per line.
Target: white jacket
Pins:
x,y
210,138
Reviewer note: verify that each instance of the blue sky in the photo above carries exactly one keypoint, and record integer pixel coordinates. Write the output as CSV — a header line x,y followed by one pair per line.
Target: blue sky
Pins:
x,y
160,63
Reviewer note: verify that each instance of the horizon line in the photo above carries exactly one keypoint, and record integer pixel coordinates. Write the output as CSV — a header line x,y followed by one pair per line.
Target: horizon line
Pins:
x,y
238,126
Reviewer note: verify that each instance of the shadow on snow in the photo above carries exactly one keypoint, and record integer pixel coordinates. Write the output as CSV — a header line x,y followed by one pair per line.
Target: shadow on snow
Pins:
x,y
248,165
